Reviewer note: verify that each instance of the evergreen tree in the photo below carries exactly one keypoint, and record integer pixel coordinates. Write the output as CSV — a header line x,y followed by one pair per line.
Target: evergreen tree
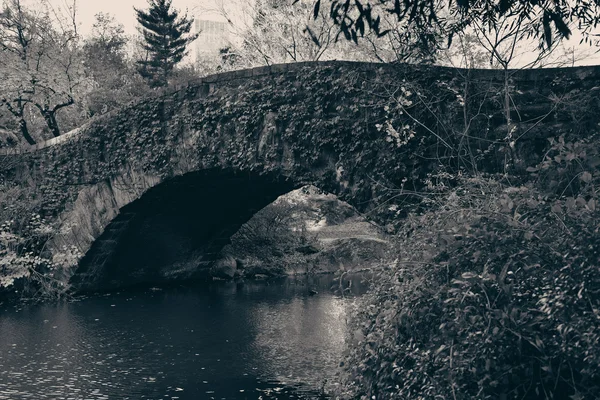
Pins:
x,y
166,36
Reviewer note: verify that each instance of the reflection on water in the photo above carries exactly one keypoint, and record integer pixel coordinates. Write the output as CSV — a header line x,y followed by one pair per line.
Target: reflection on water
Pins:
x,y
225,340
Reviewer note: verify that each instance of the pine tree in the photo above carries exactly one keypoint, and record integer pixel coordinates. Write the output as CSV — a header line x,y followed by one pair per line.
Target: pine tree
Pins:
x,y
166,36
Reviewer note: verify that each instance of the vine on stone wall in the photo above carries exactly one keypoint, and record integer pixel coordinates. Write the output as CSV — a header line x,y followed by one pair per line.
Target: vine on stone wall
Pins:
x,y
371,136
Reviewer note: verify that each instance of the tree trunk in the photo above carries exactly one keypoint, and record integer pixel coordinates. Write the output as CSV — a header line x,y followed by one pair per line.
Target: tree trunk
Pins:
x,y
509,123
25,131
49,115
19,112
50,118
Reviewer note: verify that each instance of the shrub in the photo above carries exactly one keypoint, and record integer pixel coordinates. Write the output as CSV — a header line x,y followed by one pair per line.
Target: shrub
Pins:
x,y
274,233
495,293
27,270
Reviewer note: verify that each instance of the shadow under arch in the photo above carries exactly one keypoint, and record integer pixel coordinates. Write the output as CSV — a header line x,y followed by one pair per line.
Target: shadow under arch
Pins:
x,y
176,229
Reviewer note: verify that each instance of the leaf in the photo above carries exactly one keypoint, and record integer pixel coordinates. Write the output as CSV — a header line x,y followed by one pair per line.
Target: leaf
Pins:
x,y
450,36
547,368
511,204
463,5
504,6
560,24
538,342
547,29
313,37
591,205
440,349
316,9
586,177
360,27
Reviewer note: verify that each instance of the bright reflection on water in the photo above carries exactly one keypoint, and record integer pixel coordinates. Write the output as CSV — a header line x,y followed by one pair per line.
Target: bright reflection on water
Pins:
x,y
247,340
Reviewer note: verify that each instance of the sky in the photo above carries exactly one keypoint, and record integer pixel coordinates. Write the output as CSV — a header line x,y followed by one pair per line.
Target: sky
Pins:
x,y
123,11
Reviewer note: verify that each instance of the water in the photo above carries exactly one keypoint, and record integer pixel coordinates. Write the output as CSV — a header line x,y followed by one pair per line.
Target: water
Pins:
x,y
224,340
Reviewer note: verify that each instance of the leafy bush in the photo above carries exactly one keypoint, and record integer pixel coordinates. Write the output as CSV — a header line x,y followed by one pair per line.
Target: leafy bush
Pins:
x,y
273,235
495,293
26,269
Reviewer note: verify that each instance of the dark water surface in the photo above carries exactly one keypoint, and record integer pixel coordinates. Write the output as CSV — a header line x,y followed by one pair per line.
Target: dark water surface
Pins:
x,y
224,340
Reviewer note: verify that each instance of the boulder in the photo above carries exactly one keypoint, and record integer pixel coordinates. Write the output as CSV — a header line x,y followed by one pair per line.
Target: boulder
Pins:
x,y
307,249
224,268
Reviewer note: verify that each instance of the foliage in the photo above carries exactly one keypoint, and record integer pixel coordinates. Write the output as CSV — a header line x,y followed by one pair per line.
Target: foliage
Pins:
x,y
26,269
41,64
274,234
166,36
269,32
495,292
115,81
54,80
273,32
352,130
550,21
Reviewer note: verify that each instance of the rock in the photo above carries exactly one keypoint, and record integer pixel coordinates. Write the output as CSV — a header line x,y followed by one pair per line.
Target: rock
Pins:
x,y
225,268
308,249
241,265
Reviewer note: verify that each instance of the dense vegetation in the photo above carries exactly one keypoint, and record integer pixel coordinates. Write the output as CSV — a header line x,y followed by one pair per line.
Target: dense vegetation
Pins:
x,y
432,23
55,80
495,292
306,231
27,271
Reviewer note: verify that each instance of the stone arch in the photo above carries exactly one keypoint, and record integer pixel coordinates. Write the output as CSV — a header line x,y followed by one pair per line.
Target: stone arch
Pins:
x,y
173,231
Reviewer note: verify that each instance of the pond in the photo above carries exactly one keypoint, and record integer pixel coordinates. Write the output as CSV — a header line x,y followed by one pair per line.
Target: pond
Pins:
x,y
270,339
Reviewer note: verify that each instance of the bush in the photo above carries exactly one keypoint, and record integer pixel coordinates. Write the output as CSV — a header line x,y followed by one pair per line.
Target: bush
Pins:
x,y
273,235
495,293
27,270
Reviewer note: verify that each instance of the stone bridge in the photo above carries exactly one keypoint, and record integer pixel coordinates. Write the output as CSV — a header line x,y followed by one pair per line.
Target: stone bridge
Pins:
x,y
151,193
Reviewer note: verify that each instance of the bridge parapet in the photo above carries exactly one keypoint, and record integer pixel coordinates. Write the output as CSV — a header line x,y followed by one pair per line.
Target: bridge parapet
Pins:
x,y
160,93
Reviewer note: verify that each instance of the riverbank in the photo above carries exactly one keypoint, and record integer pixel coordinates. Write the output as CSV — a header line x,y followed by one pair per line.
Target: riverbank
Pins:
x,y
349,245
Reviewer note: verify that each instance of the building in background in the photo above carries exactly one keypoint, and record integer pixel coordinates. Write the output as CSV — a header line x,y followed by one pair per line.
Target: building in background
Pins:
x,y
212,37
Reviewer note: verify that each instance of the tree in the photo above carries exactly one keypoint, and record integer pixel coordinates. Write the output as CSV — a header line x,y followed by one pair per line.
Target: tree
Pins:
x,y
17,33
106,62
403,42
40,63
547,20
166,37
276,36
266,32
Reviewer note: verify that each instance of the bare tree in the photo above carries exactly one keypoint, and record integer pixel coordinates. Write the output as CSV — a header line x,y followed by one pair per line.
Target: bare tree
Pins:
x,y
271,31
